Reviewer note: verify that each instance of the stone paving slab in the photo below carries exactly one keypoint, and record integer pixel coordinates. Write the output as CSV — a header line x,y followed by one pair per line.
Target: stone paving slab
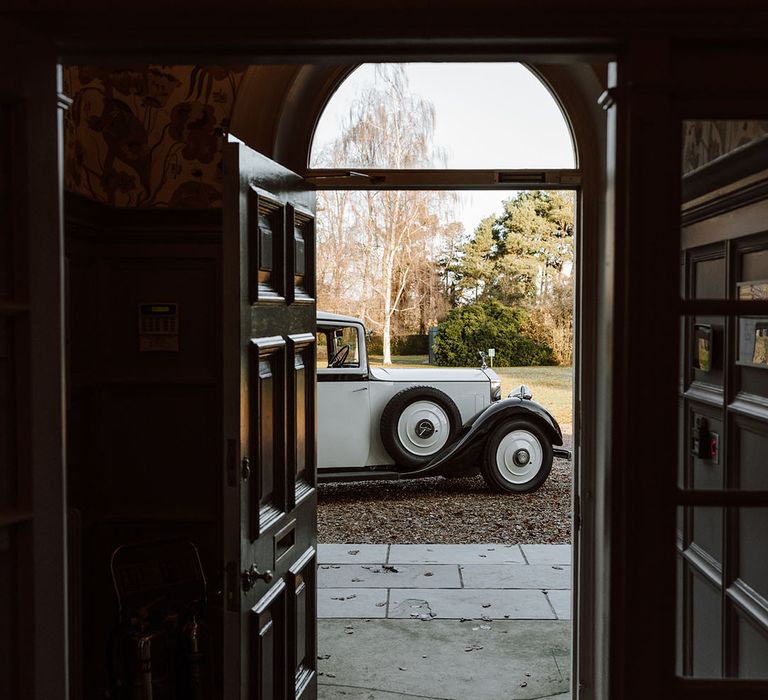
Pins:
x,y
385,659
547,553
351,602
468,603
388,576
455,554
352,553
328,690
561,602
549,576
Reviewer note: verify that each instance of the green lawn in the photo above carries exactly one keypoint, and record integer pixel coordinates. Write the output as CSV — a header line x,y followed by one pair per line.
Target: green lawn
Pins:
x,y
552,387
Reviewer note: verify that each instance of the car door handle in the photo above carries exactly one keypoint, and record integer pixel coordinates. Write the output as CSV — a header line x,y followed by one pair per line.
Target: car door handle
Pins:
x,y
365,388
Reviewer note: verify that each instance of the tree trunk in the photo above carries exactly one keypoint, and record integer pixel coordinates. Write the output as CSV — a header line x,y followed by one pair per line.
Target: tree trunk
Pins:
x,y
386,331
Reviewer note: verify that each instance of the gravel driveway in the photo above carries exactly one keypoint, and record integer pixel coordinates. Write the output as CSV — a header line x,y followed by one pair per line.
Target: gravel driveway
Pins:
x,y
438,510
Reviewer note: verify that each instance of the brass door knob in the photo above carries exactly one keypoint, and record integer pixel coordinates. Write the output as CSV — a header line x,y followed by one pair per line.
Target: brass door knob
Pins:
x,y
252,575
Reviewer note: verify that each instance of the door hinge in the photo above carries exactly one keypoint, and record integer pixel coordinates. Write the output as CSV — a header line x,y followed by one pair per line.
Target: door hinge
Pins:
x,y
577,435
608,98
232,586
231,459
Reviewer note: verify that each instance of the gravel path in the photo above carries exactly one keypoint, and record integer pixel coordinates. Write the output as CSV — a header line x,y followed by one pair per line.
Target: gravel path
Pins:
x,y
438,510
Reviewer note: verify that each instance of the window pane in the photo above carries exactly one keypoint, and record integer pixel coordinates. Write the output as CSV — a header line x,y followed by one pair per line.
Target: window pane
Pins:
x,y
707,143
322,349
753,562
442,115
699,594
722,603
753,649
348,338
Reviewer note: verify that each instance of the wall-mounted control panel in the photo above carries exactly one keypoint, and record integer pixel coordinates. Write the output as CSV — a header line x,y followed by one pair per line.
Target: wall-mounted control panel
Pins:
x,y
159,327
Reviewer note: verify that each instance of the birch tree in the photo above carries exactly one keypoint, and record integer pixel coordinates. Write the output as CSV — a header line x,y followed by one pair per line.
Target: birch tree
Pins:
x,y
395,231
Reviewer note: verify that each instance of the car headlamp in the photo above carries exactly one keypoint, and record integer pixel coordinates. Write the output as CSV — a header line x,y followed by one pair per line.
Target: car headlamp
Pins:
x,y
495,390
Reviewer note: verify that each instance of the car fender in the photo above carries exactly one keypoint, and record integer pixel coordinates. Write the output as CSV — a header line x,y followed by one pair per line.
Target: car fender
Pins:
x,y
475,431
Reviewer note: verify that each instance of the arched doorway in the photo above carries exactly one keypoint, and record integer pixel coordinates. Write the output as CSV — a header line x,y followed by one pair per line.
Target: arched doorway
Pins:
x,y
311,88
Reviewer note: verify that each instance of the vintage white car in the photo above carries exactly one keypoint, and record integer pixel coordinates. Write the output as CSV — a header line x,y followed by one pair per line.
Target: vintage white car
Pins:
x,y
389,423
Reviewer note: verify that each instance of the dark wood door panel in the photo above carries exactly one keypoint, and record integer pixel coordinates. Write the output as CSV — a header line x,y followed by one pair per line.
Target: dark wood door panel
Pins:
x,y
270,501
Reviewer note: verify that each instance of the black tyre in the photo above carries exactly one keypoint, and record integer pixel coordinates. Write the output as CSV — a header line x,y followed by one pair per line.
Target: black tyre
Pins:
x,y
518,458
417,423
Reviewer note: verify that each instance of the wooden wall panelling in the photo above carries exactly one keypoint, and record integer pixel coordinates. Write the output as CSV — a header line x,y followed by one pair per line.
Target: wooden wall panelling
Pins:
x,y
144,428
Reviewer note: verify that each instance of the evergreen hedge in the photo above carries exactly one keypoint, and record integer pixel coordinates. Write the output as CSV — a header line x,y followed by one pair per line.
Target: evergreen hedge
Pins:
x,y
489,324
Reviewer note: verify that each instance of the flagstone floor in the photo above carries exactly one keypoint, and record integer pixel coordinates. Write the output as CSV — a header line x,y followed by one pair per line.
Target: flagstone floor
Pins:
x,y
444,621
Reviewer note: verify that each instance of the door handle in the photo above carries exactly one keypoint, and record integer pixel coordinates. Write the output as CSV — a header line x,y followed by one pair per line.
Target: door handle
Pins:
x,y
365,388
252,575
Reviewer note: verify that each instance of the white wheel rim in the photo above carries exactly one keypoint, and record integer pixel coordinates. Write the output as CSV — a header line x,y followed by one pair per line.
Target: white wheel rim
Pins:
x,y
423,428
519,457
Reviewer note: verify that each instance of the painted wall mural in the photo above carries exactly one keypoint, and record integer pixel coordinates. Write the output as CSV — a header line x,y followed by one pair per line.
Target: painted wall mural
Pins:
x,y
706,141
148,136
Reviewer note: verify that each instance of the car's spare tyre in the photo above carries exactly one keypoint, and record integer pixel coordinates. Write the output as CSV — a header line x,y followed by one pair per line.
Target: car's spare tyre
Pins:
x,y
518,457
417,423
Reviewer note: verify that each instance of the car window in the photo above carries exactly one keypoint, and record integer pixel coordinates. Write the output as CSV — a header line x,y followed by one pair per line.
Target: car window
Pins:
x,y
332,341
322,349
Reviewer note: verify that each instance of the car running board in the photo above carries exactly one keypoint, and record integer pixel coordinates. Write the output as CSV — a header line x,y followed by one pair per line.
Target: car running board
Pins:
x,y
561,453
356,475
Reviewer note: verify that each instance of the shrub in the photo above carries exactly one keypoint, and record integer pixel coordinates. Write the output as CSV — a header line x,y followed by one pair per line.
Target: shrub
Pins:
x,y
552,323
469,329
416,344
405,345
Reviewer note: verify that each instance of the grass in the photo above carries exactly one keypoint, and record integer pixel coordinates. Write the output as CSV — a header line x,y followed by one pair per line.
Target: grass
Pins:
x,y
552,387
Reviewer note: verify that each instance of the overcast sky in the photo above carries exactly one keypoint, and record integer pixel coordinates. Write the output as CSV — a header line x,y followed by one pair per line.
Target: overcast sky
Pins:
x,y
488,115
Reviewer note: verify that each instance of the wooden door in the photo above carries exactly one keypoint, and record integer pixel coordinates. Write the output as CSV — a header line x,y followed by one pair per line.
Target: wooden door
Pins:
x,y
33,634
270,500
